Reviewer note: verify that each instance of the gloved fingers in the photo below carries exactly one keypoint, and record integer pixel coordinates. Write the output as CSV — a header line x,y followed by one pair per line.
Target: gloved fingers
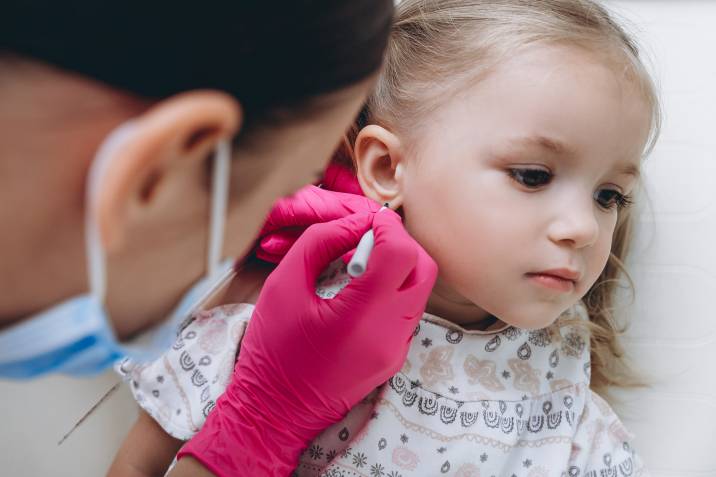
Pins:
x,y
348,256
423,276
323,243
412,303
416,290
400,274
393,258
276,244
340,178
312,205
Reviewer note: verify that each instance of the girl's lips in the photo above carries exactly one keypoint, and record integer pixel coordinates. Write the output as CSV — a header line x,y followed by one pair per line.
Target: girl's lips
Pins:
x,y
551,282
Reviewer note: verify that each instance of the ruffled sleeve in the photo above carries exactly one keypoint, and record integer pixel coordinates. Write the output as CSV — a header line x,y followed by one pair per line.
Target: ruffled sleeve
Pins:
x,y
181,387
602,446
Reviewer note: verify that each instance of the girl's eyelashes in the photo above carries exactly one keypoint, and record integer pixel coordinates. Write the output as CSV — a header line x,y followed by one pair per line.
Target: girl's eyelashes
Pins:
x,y
530,177
618,200
534,178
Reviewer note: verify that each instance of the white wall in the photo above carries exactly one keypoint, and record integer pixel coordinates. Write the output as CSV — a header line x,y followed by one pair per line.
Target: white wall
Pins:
x,y
35,415
674,266
673,336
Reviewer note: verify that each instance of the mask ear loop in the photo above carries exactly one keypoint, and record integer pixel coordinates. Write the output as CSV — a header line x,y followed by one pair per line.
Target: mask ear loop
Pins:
x,y
219,200
218,273
96,259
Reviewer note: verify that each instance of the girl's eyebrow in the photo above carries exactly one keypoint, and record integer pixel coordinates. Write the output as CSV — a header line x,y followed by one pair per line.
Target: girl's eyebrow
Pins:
x,y
543,142
629,169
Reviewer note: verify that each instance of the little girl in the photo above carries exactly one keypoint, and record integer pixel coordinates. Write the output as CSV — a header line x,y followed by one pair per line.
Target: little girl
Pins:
x,y
509,134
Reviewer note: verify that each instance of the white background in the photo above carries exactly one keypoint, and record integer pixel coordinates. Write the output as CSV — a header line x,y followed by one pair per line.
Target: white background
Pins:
x,y
673,336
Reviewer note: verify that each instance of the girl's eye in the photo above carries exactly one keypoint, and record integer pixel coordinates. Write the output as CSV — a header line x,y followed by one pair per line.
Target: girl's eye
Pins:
x,y
613,198
534,178
530,177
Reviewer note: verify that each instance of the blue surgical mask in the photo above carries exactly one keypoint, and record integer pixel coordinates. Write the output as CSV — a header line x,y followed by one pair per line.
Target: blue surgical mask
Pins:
x,y
76,337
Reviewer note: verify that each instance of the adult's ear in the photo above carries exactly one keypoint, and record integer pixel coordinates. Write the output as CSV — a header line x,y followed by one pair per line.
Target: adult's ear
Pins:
x,y
177,133
379,165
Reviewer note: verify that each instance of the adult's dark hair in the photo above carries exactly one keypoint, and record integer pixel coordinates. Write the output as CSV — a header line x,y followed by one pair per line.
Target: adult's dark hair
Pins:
x,y
267,53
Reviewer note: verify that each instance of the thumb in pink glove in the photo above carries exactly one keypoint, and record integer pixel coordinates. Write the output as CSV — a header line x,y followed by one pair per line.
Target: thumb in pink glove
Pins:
x,y
305,361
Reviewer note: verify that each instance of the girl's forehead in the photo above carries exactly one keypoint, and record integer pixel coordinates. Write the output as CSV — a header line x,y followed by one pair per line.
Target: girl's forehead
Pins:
x,y
558,99
561,70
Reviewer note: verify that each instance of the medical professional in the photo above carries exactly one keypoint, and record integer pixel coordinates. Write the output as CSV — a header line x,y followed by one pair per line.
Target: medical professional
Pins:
x,y
142,145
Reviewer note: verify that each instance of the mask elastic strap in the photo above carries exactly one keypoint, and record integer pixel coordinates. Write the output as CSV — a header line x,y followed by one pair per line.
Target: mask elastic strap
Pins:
x,y
96,266
219,200
96,259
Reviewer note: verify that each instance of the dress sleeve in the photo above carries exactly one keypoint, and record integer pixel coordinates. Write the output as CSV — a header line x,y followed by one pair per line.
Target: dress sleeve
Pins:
x,y
602,446
181,387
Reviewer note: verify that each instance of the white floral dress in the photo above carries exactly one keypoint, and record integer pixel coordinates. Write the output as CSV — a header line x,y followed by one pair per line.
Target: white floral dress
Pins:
x,y
465,404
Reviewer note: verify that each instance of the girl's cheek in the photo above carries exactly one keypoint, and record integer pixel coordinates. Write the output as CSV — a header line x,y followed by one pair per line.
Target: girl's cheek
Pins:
x,y
600,257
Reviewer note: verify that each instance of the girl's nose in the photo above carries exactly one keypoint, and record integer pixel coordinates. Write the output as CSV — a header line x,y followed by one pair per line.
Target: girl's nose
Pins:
x,y
575,222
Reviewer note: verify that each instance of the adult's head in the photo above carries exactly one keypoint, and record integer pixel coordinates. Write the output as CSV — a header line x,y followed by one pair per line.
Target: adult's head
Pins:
x,y
282,80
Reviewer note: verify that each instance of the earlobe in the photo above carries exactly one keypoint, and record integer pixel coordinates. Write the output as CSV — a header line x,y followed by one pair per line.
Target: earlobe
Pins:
x,y
156,155
379,165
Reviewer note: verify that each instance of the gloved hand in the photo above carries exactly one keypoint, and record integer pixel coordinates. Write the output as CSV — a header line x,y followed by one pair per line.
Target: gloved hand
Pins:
x,y
290,216
340,178
305,361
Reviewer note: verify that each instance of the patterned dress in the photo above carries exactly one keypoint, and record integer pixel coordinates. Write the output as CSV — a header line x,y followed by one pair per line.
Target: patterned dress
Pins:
x,y
466,403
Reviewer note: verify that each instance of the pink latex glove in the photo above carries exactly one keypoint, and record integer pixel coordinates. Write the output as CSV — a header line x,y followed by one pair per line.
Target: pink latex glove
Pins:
x,y
340,178
290,216
305,361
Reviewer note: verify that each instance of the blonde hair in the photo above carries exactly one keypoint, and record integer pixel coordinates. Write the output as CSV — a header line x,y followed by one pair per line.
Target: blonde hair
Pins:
x,y
432,40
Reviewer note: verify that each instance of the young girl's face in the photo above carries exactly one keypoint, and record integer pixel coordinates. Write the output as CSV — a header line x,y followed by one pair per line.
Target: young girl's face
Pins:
x,y
523,173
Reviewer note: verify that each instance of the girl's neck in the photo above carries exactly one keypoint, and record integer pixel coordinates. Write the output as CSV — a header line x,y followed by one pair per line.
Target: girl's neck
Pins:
x,y
450,305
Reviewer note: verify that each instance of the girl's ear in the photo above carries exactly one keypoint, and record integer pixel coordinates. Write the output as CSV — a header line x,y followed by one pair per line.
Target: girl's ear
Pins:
x,y
379,165
170,141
